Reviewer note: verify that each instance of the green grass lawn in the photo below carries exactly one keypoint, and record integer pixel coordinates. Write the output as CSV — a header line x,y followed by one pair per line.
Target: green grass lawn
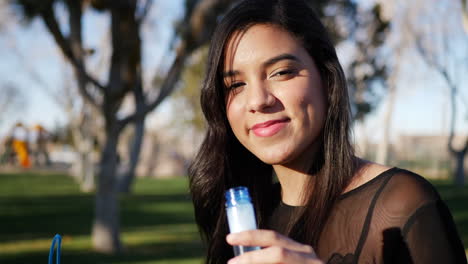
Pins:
x,y
157,220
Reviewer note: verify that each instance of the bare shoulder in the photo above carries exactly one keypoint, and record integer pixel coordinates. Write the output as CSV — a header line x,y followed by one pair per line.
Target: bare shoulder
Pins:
x,y
410,186
366,172
403,183
403,192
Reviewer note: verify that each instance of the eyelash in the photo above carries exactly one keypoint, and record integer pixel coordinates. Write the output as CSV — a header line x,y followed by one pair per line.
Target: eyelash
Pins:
x,y
284,72
235,85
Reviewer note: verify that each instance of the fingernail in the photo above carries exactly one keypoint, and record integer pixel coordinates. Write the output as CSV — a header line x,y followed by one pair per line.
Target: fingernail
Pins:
x,y
233,261
231,237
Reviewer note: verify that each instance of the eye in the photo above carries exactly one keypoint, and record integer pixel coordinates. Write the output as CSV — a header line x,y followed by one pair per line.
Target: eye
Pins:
x,y
284,73
235,85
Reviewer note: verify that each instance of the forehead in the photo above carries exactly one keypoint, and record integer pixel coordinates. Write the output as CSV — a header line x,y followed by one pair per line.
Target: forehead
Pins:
x,y
260,42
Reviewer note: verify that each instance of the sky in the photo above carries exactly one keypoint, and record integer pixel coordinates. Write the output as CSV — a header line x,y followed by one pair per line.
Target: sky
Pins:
x,y
47,72
422,103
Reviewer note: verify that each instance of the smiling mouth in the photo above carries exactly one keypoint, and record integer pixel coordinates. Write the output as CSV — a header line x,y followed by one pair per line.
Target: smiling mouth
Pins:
x,y
269,128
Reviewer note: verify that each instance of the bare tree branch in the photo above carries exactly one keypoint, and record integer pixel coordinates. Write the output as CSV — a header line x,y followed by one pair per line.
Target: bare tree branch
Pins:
x,y
144,12
11,99
465,14
48,15
430,60
201,23
433,44
166,88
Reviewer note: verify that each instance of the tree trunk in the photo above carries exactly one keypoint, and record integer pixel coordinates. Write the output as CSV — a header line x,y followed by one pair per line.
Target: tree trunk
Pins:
x,y
460,168
362,144
83,170
124,77
459,155
383,147
126,179
84,144
81,131
105,233
87,184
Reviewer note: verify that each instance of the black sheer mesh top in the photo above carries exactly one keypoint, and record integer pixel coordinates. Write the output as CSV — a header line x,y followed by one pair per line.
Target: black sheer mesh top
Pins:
x,y
397,217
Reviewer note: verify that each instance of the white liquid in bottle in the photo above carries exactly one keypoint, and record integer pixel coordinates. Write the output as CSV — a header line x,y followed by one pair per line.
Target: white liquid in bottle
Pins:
x,y
240,214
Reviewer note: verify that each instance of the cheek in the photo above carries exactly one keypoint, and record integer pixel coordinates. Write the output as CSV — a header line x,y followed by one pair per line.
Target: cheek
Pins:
x,y
310,102
317,113
301,98
315,105
234,115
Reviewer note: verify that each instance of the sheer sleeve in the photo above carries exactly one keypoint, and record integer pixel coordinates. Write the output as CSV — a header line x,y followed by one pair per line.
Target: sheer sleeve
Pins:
x,y
431,236
397,217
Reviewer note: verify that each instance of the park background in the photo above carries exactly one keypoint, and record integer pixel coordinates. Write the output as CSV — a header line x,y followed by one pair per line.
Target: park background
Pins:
x,y
116,185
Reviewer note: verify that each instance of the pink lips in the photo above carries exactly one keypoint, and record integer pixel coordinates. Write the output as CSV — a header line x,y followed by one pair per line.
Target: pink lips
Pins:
x,y
269,128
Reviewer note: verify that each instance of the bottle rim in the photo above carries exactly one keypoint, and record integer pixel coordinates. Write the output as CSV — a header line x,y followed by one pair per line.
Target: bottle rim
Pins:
x,y
237,195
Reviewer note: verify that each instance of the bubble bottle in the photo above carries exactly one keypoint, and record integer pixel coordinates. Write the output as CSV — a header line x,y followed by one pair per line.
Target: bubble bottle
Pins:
x,y
240,214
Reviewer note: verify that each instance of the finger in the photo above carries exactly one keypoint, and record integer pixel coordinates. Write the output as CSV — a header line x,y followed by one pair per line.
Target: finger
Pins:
x,y
266,238
275,254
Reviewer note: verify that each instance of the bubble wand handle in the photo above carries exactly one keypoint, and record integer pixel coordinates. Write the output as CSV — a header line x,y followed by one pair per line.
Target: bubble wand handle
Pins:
x,y
57,239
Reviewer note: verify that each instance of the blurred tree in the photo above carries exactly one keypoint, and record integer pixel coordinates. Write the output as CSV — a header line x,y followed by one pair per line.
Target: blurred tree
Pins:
x,y
443,45
5,18
11,101
367,69
399,42
85,127
187,97
464,4
124,78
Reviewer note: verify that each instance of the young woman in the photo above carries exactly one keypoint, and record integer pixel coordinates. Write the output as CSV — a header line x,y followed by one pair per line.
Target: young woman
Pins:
x,y
276,105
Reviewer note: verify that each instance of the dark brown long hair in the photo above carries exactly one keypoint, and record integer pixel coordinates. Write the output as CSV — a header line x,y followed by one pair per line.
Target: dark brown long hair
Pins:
x,y
222,162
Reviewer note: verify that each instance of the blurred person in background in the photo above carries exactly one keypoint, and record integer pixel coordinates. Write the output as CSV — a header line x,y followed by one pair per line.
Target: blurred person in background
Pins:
x,y
38,138
19,135
7,154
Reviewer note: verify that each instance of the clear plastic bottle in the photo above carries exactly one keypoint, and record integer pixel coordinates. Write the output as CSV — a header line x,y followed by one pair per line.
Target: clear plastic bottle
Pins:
x,y
240,214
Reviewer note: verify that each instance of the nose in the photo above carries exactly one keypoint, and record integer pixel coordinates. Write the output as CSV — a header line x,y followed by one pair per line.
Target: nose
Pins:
x,y
259,97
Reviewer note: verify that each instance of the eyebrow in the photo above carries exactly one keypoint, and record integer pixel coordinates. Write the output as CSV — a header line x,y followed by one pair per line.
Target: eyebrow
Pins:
x,y
285,56
269,62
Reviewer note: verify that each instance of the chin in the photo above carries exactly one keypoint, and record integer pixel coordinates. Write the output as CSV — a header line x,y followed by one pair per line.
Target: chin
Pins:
x,y
274,160
275,155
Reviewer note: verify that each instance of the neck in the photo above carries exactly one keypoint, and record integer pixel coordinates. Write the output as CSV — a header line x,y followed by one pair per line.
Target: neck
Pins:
x,y
294,177
292,184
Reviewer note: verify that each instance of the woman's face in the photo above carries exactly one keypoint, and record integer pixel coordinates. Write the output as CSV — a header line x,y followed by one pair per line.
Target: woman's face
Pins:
x,y
276,105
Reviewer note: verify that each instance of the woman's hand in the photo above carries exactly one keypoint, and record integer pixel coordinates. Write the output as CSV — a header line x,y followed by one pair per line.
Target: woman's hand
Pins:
x,y
276,248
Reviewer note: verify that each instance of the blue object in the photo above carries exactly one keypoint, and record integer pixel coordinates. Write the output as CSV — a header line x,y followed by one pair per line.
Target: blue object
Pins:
x,y
237,195
57,239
